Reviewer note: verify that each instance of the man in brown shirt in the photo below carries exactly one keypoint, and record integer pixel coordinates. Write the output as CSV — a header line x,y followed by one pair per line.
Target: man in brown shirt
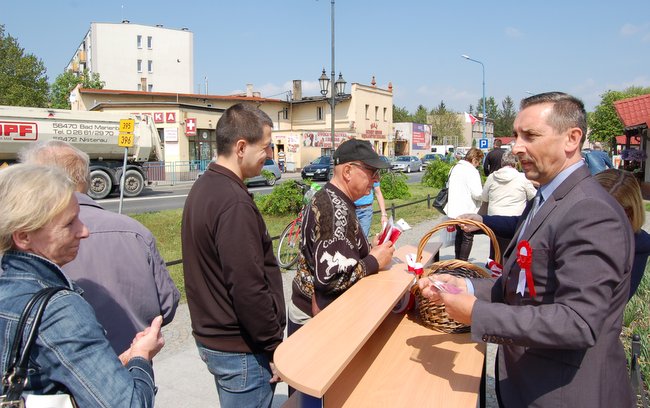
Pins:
x,y
232,280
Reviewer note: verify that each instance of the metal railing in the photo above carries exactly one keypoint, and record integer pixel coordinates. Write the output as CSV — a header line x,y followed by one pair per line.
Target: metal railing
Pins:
x,y
392,209
170,173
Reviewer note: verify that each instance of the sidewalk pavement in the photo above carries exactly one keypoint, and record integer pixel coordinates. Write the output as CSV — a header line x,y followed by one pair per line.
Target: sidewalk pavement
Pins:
x,y
184,381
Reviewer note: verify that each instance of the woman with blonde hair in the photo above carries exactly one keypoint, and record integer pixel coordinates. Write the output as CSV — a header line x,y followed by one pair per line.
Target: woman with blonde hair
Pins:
x,y
40,231
622,185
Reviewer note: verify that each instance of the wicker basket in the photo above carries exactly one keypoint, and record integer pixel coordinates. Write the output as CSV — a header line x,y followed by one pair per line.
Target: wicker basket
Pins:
x,y
434,316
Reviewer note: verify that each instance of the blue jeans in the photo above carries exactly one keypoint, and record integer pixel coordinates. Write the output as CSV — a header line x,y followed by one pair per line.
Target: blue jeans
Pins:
x,y
242,379
365,219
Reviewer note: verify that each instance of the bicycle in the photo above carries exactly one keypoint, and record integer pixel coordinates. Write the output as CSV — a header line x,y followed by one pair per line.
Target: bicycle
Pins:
x,y
289,246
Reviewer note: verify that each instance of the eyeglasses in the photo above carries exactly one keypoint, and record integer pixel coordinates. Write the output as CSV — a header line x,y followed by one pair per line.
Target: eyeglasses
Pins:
x,y
374,171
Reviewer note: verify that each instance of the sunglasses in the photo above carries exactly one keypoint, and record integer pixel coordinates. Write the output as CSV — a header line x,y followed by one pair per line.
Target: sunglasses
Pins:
x,y
372,170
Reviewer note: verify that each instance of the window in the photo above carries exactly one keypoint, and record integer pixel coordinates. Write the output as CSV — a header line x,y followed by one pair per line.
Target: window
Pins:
x,y
319,113
150,88
367,107
139,65
139,41
385,110
149,41
139,87
376,113
150,66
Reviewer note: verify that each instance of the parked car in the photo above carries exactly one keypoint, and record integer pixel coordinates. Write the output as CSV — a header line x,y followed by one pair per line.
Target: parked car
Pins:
x,y
385,159
431,157
269,165
318,169
407,164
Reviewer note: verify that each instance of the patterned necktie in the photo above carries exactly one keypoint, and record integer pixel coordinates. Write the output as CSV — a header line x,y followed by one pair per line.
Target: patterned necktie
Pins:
x,y
537,202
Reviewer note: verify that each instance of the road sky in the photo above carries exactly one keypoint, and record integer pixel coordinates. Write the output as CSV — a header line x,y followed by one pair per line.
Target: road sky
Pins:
x,y
581,47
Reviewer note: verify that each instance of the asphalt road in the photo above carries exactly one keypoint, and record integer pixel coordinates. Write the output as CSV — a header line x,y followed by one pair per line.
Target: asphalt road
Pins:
x,y
167,197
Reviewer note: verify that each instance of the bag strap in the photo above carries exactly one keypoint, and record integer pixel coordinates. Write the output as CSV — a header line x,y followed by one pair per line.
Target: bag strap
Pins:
x,y
449,175
15,379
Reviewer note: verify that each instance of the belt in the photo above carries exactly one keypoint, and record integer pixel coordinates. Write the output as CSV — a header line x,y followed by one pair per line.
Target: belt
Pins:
x,y
364,206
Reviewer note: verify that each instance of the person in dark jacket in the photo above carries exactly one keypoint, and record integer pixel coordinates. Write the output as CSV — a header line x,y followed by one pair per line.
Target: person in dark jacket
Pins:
x,y
232,279
622,185
492,161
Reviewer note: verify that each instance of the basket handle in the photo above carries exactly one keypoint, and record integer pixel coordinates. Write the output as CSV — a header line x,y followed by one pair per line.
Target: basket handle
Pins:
x,y
455,222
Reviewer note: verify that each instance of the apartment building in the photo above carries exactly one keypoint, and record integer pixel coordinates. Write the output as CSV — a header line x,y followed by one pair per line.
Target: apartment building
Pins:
x,y
137,57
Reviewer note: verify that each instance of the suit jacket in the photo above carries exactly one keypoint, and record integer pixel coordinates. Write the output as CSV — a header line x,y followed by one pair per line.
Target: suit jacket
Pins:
x,y
562,348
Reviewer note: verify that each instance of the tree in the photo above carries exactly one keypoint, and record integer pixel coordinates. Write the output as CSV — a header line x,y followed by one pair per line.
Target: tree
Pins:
x,y
23,79
491,108
505,118
445,124
604,122
420,115
401,114
65,83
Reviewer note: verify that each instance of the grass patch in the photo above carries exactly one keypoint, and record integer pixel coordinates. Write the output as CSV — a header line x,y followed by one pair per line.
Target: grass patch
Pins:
x,y
635,321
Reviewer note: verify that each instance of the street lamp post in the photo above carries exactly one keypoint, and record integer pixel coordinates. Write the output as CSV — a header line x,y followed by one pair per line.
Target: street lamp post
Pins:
x,y
483,67
338,87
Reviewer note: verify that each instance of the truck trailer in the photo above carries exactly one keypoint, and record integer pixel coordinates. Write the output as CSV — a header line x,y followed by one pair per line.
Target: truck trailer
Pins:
x,y
95,133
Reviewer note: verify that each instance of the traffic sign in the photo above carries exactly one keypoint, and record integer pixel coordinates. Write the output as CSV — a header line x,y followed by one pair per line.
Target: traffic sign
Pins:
x,y
483,143
127,125
125,140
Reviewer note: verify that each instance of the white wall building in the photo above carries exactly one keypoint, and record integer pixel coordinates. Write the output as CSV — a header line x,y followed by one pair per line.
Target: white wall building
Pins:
x,y
138,57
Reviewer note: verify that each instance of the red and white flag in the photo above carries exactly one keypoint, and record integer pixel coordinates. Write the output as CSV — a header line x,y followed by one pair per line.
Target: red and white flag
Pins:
x,y
469,118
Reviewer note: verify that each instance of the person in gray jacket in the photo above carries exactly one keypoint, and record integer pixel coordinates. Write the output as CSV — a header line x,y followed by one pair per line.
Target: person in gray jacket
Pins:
x,y
119,268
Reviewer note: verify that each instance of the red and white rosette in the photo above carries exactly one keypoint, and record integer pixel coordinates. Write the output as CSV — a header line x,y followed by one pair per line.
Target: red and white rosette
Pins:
x,y
525,262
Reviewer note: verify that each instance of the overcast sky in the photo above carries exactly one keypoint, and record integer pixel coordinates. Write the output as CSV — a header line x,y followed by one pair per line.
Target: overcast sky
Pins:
x,y
581,47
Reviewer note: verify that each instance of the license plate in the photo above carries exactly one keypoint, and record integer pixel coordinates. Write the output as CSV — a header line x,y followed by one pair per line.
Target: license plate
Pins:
x,y
309,174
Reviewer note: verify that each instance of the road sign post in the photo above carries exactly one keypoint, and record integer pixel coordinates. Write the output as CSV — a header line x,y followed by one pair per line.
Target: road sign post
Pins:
x,y
124,139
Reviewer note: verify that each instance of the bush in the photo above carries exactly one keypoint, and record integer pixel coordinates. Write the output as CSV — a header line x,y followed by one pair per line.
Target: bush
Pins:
x,y
436,174
393,185
286,198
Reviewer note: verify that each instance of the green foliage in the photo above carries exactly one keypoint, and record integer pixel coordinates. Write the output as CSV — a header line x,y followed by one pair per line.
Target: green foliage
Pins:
x,y
436,174
604,122
635,321
505,118
420,115
286,198
445,123
268,174
401,114
66,82
393,185
23,79
491,108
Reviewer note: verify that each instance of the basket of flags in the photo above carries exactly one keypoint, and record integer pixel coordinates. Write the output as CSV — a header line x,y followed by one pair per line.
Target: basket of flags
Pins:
x,y
433,315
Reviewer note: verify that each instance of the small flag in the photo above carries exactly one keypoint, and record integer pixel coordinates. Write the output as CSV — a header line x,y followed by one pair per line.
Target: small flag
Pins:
x,y
469,118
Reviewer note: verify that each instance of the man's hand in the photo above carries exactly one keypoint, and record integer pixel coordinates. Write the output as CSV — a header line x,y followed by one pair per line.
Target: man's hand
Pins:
x,y
432,293
275,375
383,253
459,307
470,216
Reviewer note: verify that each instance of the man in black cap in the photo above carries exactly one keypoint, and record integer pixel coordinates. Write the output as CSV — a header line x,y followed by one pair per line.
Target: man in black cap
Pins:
x,y
335,252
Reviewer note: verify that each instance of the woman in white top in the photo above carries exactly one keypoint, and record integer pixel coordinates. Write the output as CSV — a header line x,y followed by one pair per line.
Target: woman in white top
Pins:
x,y
506,192
465,197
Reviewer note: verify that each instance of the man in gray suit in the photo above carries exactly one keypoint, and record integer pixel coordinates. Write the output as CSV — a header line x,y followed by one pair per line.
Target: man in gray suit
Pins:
x,y
557,310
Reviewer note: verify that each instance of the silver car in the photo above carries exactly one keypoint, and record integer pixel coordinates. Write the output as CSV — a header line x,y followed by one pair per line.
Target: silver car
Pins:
x,y
269,165
407,164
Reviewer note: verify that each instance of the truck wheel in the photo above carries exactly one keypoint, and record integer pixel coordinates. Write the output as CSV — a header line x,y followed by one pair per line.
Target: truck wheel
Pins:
x,y
100,185
133,183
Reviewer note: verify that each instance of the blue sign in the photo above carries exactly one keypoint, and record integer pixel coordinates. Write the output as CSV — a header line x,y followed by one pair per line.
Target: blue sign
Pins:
x,y
483,143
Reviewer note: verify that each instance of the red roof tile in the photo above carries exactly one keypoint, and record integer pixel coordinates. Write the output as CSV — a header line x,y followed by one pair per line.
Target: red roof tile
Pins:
x,y
634,140
634,111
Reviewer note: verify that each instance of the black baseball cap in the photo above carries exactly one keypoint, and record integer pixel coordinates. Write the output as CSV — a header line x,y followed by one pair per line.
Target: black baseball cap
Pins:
x,y
358,150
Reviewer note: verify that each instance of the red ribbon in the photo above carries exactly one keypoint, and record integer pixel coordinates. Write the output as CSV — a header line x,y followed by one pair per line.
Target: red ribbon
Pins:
x,y
525,262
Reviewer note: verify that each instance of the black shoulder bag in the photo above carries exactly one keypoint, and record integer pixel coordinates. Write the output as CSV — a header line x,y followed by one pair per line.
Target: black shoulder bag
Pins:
x,y
15,378
441,199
